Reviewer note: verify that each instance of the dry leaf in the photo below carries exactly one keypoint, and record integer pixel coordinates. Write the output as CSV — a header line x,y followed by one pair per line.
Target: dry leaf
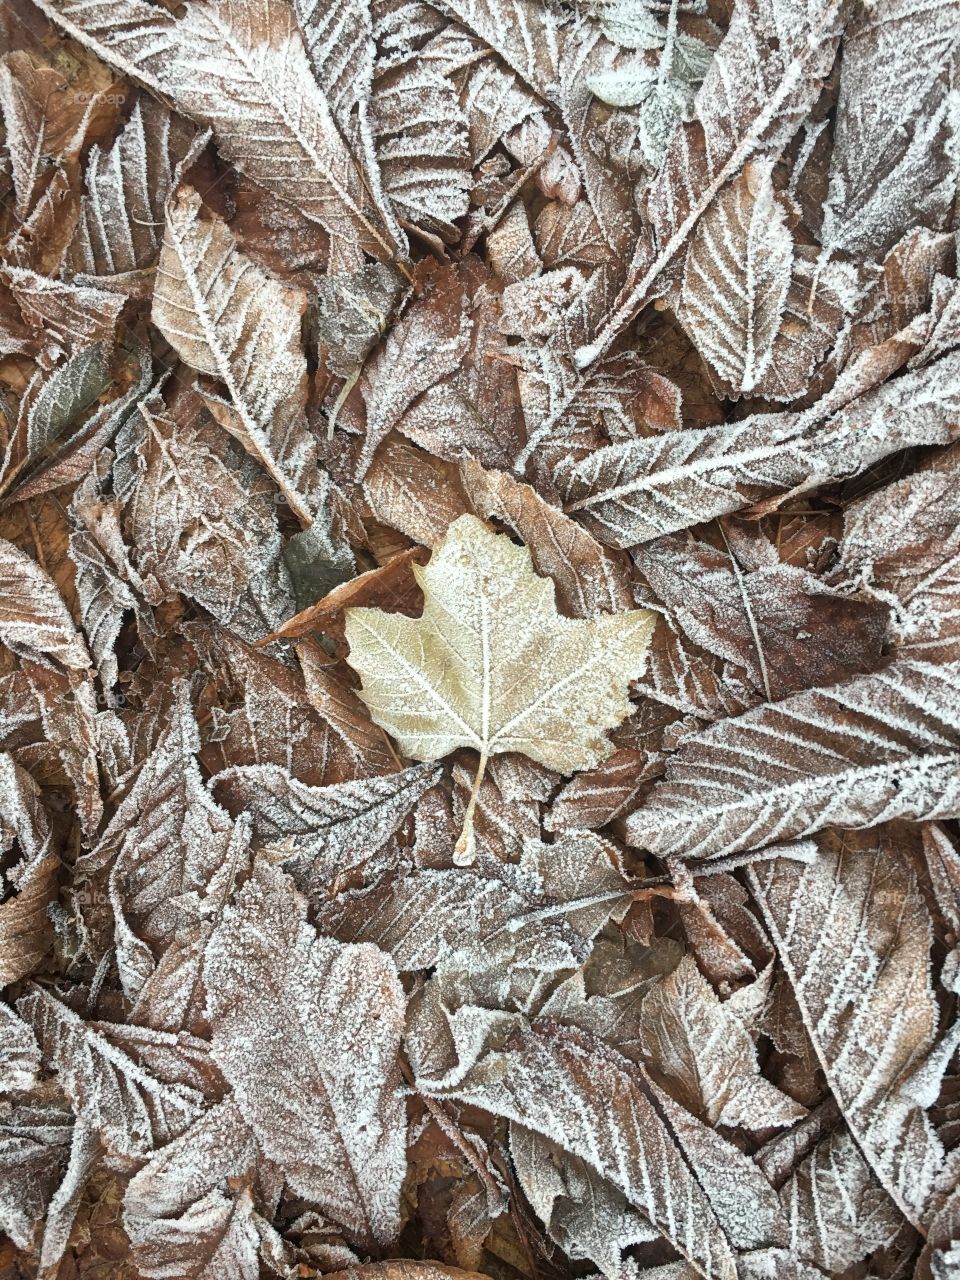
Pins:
x,y
494,666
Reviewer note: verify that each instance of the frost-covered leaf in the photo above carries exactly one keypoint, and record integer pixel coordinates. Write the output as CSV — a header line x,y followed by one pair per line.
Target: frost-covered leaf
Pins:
x,y
904,541
243,70
763,80
107,1075
327,829
228,319
491,665
854,938
838,1211
197,521
166,839
413,491
34,1145
422,349
19,1053
190,1208
588,579
51,404
778,622
595,1105
894,158
33,617
699,1050
853,755
30,873
121,217
33,98
420,134
584,1213
70,316
635,491
307,1031
736,277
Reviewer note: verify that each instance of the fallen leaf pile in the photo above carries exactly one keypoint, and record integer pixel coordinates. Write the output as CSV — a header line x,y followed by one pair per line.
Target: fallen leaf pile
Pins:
x,y
479,639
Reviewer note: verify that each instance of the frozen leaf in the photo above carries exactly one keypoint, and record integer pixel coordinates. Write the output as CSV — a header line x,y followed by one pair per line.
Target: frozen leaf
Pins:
x,y
413,491
70,316
584,1213
595,1105
531,915
420,134
19,1053
736,277
334,699
52,403
25,931
328,829
307,1031
903,541
588,579
853,755
637,490
33,618
854,938
500,612
238,68
878,189
838,1211
121,217
699,1050
34,1143
354,311
166,839
116,1094
195,522
597,796
778,622
493,664
422,349
33,98
228,319
190,1207
762,82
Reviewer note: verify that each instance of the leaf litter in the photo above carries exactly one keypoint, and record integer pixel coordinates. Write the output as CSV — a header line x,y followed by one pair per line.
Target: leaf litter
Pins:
x,y
479,639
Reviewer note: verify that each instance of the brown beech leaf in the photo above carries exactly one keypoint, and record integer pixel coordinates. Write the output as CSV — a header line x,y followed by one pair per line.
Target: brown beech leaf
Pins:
x,y
328,1109
110,1074
699,1050
886,93
231,321
764,79
735,279
33,617
854,938
233,66
632,492
855,754
191,1208
30,871
588,579
778,622
594,1103
119,233
904,541
326,829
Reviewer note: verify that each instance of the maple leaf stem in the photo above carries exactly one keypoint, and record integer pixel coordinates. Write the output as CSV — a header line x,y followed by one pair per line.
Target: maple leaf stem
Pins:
x,y
463,853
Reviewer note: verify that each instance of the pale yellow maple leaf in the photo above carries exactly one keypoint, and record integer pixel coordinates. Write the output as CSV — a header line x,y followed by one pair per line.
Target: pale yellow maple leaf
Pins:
x,y
491,665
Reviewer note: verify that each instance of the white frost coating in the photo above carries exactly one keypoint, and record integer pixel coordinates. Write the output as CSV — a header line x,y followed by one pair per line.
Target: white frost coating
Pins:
x,y
495,667
854,936
307,1031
